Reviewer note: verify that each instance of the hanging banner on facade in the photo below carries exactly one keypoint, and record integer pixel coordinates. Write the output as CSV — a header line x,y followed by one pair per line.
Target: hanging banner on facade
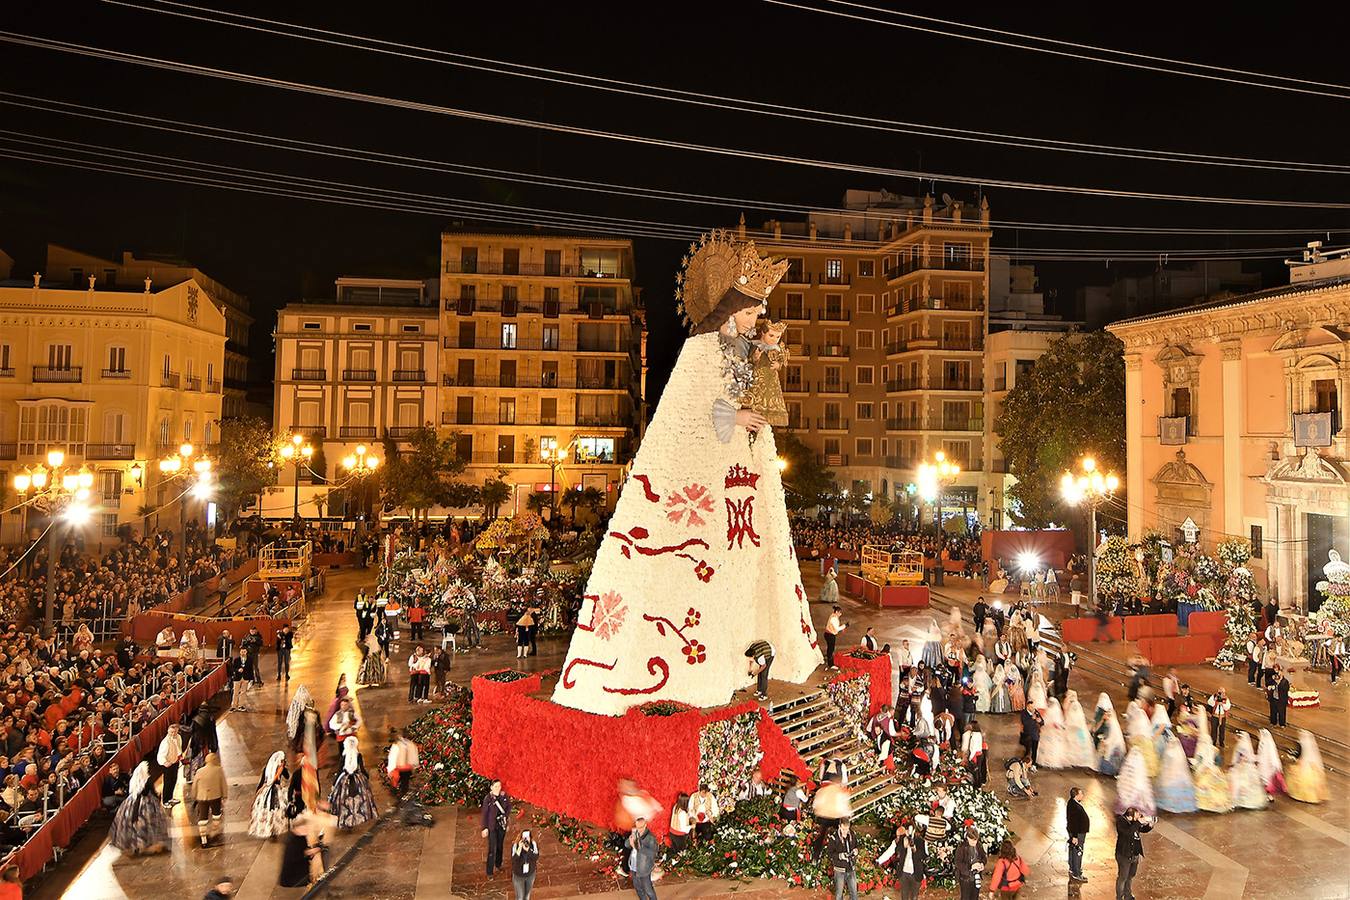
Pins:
x,y
1172,430
1312,429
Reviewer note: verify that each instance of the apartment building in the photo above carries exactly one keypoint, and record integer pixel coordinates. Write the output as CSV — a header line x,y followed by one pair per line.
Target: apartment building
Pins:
x,y
74,268
353,370
541,356
1235,424
117,376
888,307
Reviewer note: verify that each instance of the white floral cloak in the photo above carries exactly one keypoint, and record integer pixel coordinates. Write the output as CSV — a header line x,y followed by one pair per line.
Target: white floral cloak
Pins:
x,y
697,563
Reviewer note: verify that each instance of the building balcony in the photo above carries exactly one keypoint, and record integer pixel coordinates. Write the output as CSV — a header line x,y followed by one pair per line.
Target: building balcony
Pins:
x,y
832,387
358,432
58,375
1174,431
834,315
109,451
410,375
941,264
796,277
169,380
7,373
959,384
547,345
313,432
904,424
791,314
213,386
309,374
955,423
192,383
840,279
9,451
901,462
1313,427
115,373
400,432
921,304
829,424
796,387
358,374
828,351
935,343
832,459
532,270
899,385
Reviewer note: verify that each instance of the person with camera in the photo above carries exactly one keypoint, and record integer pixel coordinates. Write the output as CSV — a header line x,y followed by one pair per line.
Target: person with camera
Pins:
x,y
642,854
970,861
496,814
1129,849
906,858
1078,824
524,864
844,860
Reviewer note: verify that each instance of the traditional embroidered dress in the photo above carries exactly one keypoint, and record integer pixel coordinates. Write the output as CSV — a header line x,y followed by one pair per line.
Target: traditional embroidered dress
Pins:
x,y
1211,785
698,560
1133,787
1176,790
140,824
1139,731
1053,751
1269,765
1001,702
984,686
1110,742
1308,778
268,818
351,800
1244,779
1080,750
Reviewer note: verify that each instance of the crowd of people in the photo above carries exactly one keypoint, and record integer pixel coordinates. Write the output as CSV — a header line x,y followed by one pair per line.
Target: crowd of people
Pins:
x,y
822,538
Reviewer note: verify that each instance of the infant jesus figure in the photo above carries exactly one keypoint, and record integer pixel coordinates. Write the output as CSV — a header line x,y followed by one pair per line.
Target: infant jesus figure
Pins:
x,y
769,355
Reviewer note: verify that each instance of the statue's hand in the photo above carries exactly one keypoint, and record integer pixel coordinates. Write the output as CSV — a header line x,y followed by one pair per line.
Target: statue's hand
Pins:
x,y
750,420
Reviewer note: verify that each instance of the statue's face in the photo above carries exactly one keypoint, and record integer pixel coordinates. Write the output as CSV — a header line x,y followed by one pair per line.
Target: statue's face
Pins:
x,y
745,319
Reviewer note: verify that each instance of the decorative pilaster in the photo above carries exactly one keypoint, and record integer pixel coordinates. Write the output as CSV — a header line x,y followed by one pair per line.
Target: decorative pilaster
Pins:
x,y
1232,438
1134,445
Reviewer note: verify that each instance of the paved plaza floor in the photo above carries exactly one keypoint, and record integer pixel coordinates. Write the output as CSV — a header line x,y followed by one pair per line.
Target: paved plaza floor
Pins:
x,y
1291,850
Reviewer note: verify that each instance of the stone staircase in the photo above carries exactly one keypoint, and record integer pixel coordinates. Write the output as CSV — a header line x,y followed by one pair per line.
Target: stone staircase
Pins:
x,y
817,729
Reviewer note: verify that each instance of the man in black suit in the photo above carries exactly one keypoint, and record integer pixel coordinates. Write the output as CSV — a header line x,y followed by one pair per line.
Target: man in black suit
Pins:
x,y
1277,693
1031,733
1077,824
1129,849
980,612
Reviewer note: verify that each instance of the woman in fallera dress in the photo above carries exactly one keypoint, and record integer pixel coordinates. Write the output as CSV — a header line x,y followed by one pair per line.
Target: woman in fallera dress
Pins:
x,y
268,818
1053,752
1111,746
1269,765
1081,752
1162,729
1176,790
372,672
1212,793
1133,787
1015,690
351,800
140,826
984,685
1308,777
1244,779
1139,735
1001,702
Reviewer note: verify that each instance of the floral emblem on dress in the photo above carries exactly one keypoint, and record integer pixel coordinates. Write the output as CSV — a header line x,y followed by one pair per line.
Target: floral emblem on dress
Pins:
x,y
689,505
695,653
607,615
703,571
692,618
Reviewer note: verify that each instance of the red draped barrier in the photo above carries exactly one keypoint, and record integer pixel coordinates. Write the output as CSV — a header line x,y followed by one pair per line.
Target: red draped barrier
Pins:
x,y
1176,651
1137,627
81,805
144,627
334,560
1208,623
1081,631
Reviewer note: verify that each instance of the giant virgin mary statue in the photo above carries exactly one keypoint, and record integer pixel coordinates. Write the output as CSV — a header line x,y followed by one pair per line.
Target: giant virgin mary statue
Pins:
x,y
697,563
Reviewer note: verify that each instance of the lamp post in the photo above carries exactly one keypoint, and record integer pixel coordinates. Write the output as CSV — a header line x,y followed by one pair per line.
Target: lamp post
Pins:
x,y
182,465
65,494
297,451
359,464
932,478
554,456
1091,488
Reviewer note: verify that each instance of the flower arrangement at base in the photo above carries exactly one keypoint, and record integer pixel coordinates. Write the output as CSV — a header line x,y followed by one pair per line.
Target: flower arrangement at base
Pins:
x,y
728,751
1235,552
850,694
1117,576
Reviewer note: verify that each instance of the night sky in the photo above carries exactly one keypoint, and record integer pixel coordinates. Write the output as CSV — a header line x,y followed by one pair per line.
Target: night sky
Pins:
x,y
279,249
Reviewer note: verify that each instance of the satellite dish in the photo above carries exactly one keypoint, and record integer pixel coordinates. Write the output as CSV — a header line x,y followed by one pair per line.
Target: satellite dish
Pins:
x,y
946,199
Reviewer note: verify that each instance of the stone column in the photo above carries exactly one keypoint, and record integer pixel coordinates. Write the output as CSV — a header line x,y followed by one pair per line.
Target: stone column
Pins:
x,y
1276,550
1232,438
1134,444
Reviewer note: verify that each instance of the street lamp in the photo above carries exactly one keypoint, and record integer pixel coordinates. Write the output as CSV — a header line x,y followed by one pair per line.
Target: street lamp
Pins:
x,y
297,451
1091,488
182,465
782,464
554,456
359,464
65,494
932,478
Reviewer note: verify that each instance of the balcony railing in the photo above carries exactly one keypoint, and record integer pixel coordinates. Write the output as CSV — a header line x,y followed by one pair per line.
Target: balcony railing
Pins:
x,y
954,423
948,264
960,384
7,372
896,385
832,459
168,380
796,387
313,432
550,345
901,462
400,432
213,386
531,270
358,432
192,383
309,374
407,375
791,314
829,351
358,374
832,387
835,315
829,424
935,343
950,304
58,375
115,373
522,418
109,451
9,451
834,279
1173,431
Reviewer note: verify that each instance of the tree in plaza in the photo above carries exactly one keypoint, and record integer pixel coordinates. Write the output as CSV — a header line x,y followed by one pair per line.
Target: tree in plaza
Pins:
x,y
807,481
247,461
318,465
494,492
1071,404
538,501
416,479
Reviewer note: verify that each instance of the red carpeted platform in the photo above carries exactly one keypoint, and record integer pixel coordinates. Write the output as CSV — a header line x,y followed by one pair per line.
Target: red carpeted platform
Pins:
x,y
886,596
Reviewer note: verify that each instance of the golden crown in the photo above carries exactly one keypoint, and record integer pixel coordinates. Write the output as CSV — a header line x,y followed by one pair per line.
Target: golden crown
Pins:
x,y
716,264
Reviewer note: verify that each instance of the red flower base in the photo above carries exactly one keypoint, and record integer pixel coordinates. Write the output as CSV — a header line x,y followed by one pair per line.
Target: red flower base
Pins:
x,y
570,762
877,668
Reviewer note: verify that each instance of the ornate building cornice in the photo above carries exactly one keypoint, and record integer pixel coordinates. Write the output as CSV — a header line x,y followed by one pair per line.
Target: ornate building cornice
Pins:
x,y
1295,309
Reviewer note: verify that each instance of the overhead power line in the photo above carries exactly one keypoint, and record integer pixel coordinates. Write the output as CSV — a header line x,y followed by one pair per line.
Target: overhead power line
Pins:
x,y
492,118
1073,50
299,31
346,153
186,171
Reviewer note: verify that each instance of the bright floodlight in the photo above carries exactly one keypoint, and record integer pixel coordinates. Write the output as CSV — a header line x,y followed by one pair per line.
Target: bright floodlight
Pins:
x,y
78,514
22,482
372,462
1028,561
349,461
202,489
55,458
781,463
287,451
